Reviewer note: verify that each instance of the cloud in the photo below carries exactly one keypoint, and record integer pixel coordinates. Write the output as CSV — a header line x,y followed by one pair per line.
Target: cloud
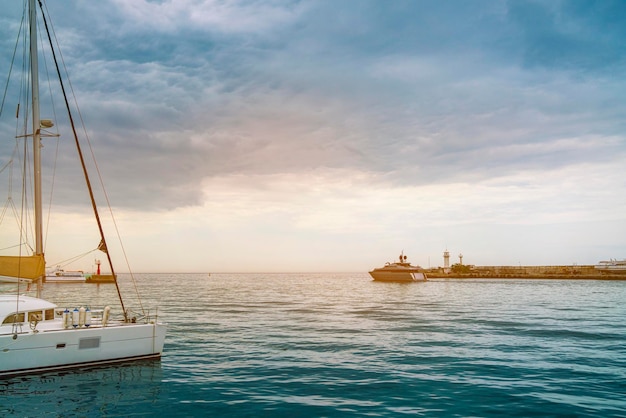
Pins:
x,y
231,16
325,118
578,36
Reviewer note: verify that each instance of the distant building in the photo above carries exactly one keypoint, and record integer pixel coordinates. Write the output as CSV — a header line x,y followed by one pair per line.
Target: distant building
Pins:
x,y
446,261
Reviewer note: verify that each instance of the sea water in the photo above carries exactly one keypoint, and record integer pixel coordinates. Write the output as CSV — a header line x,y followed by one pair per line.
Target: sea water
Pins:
x,y
297,345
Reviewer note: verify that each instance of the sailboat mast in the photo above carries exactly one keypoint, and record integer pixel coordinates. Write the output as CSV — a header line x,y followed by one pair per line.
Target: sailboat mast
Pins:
x,y
34,80
103,245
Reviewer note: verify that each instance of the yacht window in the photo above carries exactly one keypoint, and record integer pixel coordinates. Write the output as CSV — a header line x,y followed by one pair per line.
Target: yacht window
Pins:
x,y
14,318
49,314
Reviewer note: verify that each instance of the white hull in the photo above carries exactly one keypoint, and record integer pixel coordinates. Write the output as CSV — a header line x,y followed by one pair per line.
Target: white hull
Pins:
x,y
53,348
397,276
612,267
65,279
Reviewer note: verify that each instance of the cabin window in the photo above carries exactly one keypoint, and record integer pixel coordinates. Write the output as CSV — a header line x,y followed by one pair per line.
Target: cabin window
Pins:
x,y
93,342
49,314
34,316
11,319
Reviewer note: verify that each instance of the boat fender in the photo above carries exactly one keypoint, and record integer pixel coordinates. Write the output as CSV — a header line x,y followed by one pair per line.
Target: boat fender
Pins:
x,y
105,316
87,317
81,316
67,319
75,317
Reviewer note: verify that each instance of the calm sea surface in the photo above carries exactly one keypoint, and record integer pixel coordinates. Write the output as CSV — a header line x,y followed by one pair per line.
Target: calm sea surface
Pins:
x,y
343,345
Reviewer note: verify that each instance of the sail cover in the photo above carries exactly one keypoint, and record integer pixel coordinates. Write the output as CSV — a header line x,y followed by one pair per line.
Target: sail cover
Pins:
x,y
25,267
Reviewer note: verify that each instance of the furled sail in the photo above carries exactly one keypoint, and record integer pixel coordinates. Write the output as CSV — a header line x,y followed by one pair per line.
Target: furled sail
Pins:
x,y
24,267
103,246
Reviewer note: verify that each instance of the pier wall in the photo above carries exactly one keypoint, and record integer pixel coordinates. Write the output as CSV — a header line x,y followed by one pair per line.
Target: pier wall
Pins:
x,y
528,272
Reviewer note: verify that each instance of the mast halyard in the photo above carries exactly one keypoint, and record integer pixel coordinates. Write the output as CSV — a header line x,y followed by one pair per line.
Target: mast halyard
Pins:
x,y
34,80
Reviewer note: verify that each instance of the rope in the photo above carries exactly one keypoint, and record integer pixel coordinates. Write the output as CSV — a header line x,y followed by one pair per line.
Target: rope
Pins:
x,y
82,159
73,259
17,42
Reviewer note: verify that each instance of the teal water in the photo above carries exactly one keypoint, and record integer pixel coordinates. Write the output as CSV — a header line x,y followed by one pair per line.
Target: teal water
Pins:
x,y
343,345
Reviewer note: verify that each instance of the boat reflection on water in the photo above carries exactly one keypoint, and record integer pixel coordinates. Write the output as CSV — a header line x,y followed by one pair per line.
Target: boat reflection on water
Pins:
x,y
95,391
400,271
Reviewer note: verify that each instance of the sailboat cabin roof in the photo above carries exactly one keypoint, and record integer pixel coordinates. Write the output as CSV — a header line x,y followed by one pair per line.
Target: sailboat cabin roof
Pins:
x,y
9,304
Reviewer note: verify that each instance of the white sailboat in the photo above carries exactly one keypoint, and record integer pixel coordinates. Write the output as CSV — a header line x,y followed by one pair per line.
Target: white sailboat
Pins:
x,y
37,335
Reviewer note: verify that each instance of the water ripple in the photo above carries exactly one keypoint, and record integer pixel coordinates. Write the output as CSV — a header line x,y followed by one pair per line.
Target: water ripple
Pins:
x,y
342,345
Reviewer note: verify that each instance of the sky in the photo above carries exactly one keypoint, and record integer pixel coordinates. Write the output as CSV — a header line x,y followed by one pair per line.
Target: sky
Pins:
x,y
324,135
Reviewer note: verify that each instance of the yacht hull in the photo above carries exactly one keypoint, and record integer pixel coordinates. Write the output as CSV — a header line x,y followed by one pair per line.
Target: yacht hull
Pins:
x,y
397,276
64,279
59,348
612,267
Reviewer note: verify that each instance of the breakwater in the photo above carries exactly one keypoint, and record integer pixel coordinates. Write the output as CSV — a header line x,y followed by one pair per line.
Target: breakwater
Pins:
x,y
583,272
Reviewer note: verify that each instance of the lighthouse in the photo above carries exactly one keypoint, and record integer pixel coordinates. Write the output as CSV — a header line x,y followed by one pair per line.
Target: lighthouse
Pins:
x,y
446,261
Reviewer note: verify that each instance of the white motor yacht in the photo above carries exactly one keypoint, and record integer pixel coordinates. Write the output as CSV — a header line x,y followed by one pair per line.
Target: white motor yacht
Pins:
x,y
400,271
